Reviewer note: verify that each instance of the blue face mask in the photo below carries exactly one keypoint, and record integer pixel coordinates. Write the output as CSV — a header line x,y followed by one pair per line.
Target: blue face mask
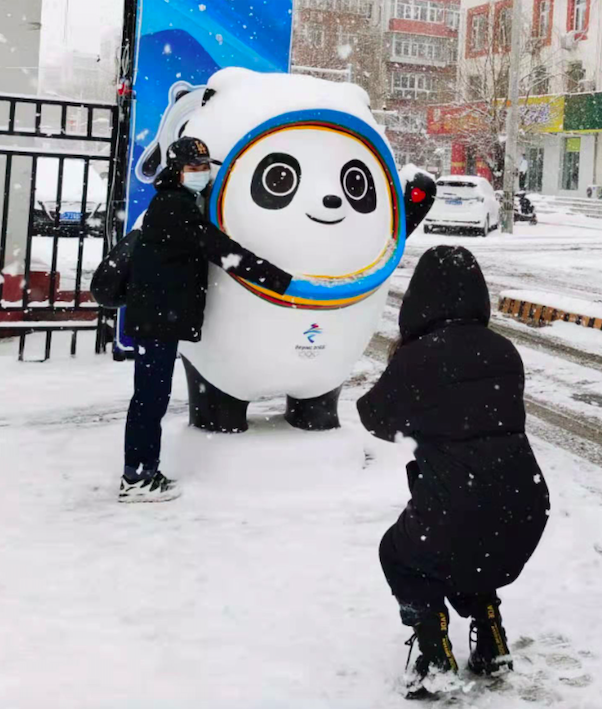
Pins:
x,y
196,181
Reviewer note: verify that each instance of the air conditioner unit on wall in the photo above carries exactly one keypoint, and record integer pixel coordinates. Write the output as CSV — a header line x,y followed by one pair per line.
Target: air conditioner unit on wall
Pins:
x,y
594,191
569,40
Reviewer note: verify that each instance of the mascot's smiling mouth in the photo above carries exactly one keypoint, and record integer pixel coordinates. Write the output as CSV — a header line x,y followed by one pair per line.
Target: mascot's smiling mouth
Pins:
x,y
321,221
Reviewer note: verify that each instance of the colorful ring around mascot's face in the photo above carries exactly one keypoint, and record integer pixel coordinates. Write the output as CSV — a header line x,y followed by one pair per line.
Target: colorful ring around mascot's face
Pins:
x,y
317,192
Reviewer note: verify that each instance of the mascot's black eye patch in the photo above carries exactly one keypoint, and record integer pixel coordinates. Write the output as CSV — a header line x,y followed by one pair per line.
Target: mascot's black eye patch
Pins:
x,y
358,186
276,181
182,129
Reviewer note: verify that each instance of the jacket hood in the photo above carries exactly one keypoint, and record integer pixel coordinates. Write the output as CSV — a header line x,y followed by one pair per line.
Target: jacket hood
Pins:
x,y
447,286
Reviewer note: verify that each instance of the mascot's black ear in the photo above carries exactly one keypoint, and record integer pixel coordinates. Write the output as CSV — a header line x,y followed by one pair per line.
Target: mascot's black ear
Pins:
x,y
152,162
419,195
207,96
181,94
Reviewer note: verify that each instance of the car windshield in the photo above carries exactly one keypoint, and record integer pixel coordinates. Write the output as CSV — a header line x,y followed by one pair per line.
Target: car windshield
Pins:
x,y
449,189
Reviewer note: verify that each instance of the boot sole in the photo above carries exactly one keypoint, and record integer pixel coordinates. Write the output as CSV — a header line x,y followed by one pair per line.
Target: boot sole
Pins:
x,y
423,695
490,670
128,500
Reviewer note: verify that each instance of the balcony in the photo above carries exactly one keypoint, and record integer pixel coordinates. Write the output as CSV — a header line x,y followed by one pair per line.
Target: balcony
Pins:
x,y
420,60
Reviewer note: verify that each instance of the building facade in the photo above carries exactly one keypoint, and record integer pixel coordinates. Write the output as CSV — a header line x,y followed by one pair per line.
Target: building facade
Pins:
x,y
340,40
403,52
560,69
421,46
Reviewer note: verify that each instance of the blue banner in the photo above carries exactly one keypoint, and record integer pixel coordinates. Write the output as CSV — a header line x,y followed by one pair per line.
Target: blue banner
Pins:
x,y
180,44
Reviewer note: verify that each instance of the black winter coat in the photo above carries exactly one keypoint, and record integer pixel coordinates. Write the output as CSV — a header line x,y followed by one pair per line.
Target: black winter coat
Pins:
x,y
479,502
168,283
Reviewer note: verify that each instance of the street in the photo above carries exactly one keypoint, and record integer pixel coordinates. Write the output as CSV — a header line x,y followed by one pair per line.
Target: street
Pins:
x,y
266,570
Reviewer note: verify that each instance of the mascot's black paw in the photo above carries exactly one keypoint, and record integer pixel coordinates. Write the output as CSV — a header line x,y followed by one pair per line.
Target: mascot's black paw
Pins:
x,y
318,414
210,408
418,196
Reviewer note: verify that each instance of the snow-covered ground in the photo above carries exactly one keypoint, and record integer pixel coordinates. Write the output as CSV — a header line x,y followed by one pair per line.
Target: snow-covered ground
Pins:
x,y
557,256
260,587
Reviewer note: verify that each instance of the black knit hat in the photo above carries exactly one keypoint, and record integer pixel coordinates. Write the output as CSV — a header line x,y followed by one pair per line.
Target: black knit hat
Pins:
x,y
188,151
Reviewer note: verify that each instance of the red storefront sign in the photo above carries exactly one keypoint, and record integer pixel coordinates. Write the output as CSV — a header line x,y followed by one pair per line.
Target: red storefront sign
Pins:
x,y
454,120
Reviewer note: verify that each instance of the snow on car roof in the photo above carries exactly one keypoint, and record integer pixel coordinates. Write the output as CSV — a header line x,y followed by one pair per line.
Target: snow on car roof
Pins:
x,y
462,178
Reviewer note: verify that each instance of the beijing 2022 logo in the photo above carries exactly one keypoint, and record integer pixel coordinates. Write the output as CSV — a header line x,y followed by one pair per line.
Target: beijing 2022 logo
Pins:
x,y
313,349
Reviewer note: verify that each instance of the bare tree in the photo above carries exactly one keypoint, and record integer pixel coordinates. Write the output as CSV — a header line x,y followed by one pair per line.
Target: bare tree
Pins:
x,y
482,88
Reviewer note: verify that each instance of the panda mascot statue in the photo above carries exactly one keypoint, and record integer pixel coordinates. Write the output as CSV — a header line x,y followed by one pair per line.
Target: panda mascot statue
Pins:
x,y
308,181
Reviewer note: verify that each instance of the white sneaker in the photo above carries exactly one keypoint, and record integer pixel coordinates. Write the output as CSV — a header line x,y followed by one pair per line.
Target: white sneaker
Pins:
x,y
155,489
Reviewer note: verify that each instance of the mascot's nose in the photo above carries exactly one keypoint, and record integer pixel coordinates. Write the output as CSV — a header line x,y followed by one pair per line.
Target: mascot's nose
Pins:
x,y
331,201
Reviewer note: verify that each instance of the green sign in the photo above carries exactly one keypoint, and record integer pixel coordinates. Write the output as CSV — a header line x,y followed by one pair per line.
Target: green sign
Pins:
x,y
573,145
583,112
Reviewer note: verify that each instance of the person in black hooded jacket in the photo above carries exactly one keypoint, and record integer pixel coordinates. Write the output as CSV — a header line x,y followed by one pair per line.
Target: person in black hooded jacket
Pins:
x,y
479,502
166,302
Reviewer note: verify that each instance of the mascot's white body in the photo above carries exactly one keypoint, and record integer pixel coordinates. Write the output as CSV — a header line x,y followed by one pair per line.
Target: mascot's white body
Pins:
x,y
251,348
299,197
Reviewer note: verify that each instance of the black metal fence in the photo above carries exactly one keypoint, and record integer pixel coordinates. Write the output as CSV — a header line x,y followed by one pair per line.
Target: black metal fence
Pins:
x,y
57,165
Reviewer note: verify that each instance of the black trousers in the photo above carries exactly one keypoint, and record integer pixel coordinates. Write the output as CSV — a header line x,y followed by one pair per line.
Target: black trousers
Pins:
x,y
420,592
153,376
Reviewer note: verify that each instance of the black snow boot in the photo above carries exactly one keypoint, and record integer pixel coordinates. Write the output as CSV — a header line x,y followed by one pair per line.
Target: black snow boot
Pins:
x,y
436,657
489,651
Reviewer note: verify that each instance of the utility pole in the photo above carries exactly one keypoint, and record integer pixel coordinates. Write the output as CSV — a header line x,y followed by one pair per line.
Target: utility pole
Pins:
x,y
512,122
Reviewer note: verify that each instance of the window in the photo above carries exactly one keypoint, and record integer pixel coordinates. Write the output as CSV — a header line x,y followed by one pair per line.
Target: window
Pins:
x,y
535,171
570,164
478,32
312,35
419,47
402,157
409,123
504,27
346,38
413,85
502,85
540,81
475,87
579,14
453,19
419,10
319,4
575,73
356,7
543,19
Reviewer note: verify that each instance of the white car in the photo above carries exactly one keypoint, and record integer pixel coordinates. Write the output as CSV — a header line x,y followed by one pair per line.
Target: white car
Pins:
x,y
463,203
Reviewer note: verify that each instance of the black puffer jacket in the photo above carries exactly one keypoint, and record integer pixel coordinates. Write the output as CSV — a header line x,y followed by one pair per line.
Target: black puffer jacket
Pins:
x,y
479,501
168,284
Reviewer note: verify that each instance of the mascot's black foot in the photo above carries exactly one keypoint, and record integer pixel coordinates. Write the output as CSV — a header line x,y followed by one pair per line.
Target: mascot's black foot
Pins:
x,y
210,408
318,414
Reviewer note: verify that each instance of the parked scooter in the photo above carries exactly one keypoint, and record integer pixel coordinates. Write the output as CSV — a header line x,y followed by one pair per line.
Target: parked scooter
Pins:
x,y
524,209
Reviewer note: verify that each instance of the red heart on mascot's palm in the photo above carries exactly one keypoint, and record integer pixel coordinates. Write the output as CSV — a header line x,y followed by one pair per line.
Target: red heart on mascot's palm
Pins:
x,y
417,195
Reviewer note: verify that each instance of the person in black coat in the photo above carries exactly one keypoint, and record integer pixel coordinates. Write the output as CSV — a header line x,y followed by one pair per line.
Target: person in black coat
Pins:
x,y
479,502
166,302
